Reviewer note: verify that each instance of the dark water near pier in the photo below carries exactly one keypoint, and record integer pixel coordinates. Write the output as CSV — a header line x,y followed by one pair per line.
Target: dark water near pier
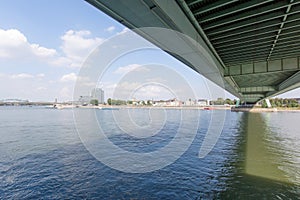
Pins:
x,y
256,157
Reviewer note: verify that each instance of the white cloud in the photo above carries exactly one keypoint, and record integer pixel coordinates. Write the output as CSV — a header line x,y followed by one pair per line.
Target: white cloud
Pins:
x,y
130,86
129,68
152,91
124,89
21,76
12,37
42,51
14,44
152,88
139,90
41,75
110,29
77,45
35,87
156,80
66,93
110,86
62,61
41,89
126,69
125,30
85,81
68,77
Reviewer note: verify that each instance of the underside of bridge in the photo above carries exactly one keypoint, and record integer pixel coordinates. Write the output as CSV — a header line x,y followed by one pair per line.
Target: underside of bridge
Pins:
x,y
254,43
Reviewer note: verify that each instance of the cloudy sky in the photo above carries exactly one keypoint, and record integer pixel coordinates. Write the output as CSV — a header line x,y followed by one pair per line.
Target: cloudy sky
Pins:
x,y
44,45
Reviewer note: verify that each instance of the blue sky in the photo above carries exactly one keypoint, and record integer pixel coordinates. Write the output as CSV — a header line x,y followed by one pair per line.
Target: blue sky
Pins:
x,y
43,45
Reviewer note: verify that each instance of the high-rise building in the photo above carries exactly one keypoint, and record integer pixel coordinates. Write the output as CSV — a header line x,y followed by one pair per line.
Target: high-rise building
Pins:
x,y
98,93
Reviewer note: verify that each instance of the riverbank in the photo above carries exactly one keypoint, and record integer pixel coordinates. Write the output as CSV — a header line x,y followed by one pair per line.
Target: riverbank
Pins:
x,y
258,109
216,107
62,106
288,109
172,107
252,109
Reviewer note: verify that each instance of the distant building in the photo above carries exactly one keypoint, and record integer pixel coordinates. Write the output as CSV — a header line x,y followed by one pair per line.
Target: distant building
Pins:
x,y
98,93
13,101
189,103
170,102
174,102
84,100
159,103
202,102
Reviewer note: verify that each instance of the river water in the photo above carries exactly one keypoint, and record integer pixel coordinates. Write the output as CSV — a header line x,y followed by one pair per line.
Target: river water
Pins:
x,y
257,156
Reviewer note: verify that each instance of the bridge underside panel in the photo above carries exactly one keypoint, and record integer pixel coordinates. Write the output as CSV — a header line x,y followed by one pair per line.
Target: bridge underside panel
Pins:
x,y
254,43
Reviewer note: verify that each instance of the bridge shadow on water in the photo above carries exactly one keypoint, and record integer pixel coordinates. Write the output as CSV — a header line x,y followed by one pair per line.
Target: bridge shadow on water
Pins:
x,y
256,172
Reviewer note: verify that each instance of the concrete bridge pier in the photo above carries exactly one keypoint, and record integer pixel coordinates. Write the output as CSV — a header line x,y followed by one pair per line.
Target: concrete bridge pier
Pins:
x,y
268,103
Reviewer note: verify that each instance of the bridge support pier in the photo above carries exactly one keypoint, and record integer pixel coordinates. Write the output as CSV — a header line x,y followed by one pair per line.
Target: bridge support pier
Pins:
x,y
268,103
237,103
252,108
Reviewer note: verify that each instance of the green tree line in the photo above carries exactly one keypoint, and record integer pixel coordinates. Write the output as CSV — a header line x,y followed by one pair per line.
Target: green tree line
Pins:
x,y
221,101
117,102
280,102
